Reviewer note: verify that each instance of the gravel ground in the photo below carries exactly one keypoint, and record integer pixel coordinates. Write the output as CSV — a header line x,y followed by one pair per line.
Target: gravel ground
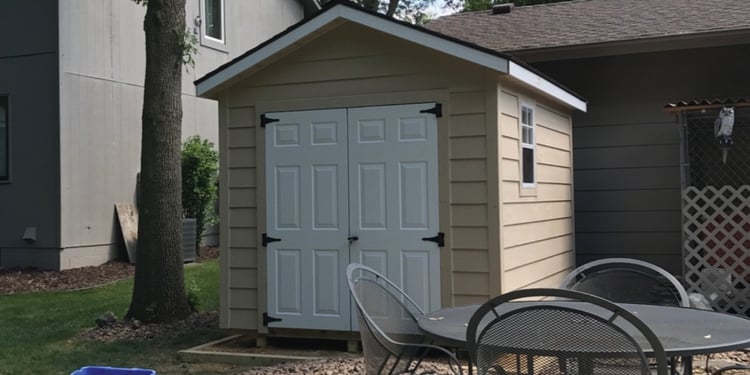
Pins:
x,y
355,365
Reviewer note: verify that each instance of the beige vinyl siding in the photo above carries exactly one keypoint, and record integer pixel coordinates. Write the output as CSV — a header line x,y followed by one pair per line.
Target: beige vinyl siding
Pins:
x,y
348,67
537,223
474,256
239,220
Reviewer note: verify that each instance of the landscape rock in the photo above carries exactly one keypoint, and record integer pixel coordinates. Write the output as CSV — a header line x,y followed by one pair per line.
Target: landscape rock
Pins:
x,y
106,319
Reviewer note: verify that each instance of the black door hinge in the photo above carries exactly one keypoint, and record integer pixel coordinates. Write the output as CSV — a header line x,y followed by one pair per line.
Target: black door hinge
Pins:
x,y
439,239
265,120
268,319
437,110
266,240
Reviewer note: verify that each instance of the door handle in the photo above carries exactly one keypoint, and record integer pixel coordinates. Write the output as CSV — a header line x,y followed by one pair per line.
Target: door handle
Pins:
x,y
352,239
439,239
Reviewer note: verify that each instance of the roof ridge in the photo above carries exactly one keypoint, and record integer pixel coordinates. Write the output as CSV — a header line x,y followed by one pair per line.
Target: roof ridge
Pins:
x,y
563,2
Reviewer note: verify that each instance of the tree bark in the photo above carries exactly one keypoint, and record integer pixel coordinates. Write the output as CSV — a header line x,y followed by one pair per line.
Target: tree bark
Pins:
x,y
159,289
371,4
392,6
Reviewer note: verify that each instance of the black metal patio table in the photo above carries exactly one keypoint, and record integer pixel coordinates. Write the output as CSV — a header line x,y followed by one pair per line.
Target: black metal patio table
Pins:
x,y
683,332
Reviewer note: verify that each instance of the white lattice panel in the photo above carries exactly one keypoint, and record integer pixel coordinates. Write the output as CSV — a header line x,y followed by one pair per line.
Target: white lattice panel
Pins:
x,y
716,235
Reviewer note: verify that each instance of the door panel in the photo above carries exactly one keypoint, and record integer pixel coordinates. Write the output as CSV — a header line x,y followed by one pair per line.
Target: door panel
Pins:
x,y
307,209
372,196
287,277
393,173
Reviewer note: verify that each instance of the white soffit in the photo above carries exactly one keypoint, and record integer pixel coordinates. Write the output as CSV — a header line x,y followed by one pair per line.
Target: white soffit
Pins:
x,y
426,39
540,83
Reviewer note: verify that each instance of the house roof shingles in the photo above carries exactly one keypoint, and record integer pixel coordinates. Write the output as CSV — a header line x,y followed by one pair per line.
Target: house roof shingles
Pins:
x,y
583,22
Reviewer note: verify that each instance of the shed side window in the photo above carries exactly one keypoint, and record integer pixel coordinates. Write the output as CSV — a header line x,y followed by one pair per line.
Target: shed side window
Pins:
x,y
213,25
528,146
4,138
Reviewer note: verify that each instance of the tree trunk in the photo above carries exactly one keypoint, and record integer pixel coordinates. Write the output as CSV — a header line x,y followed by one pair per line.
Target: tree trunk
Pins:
x,y
392,6
159,290
371,4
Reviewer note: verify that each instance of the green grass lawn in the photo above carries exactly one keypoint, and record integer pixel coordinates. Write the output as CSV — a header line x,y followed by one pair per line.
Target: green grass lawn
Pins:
x,y
38,330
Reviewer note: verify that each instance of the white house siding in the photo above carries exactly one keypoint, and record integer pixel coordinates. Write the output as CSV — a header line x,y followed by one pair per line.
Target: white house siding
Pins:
x,y
627,148
537,223
28,75
353,66
102,65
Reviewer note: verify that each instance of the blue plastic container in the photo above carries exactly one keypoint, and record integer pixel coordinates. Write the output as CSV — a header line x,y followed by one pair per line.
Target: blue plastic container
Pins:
x,y
98,370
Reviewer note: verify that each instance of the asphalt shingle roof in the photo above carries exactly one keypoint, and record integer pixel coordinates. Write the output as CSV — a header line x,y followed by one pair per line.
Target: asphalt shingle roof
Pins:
x,y
580,22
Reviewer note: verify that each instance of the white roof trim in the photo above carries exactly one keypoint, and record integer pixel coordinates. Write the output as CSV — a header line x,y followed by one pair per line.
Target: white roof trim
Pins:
x,y
540,83
457,50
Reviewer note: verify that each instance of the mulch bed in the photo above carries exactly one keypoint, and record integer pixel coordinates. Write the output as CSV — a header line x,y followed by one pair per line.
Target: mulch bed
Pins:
x,y
26,280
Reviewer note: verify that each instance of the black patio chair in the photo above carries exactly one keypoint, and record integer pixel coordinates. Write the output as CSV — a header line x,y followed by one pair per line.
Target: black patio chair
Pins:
x,y
627,280
391,339
735,369
568,332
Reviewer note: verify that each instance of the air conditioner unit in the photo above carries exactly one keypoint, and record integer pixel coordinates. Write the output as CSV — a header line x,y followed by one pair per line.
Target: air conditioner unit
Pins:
x,y
189,235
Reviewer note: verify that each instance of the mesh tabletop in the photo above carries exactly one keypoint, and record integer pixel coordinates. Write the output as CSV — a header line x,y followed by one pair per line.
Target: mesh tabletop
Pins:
x,y
682,331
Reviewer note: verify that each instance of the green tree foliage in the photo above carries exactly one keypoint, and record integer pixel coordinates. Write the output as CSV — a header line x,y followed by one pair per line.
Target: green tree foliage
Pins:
x,y
414,11
200,168
475,5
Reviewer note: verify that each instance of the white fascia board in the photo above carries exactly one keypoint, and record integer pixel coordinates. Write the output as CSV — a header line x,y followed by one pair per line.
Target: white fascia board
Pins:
x,y
451,48
540,83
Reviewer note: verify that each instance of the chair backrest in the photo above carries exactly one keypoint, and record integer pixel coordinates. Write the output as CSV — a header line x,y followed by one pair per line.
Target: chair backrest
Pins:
x,y
627,280
387,319
570,333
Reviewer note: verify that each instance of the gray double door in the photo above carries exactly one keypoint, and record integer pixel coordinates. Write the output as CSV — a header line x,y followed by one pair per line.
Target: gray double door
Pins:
x,y
349,185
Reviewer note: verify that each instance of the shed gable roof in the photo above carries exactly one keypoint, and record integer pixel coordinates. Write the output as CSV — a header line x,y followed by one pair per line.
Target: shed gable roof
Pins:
x,y
342,11
583,22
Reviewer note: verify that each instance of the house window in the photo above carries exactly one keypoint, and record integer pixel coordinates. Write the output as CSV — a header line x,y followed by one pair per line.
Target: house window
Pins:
x,y
528,146
213,24
4,135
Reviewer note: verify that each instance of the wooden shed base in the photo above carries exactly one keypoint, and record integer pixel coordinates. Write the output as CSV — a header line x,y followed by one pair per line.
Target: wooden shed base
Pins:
x,y
258,350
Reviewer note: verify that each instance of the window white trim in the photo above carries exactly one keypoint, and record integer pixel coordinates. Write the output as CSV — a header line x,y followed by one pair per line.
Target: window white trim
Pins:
x,y
527,141
206,39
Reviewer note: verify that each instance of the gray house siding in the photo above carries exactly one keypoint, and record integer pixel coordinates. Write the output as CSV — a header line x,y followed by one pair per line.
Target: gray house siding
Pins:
x,y
76,89
101,90
29,198
627,148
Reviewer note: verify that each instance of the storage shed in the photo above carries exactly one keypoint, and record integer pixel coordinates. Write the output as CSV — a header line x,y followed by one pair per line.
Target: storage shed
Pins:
x,y
351,137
